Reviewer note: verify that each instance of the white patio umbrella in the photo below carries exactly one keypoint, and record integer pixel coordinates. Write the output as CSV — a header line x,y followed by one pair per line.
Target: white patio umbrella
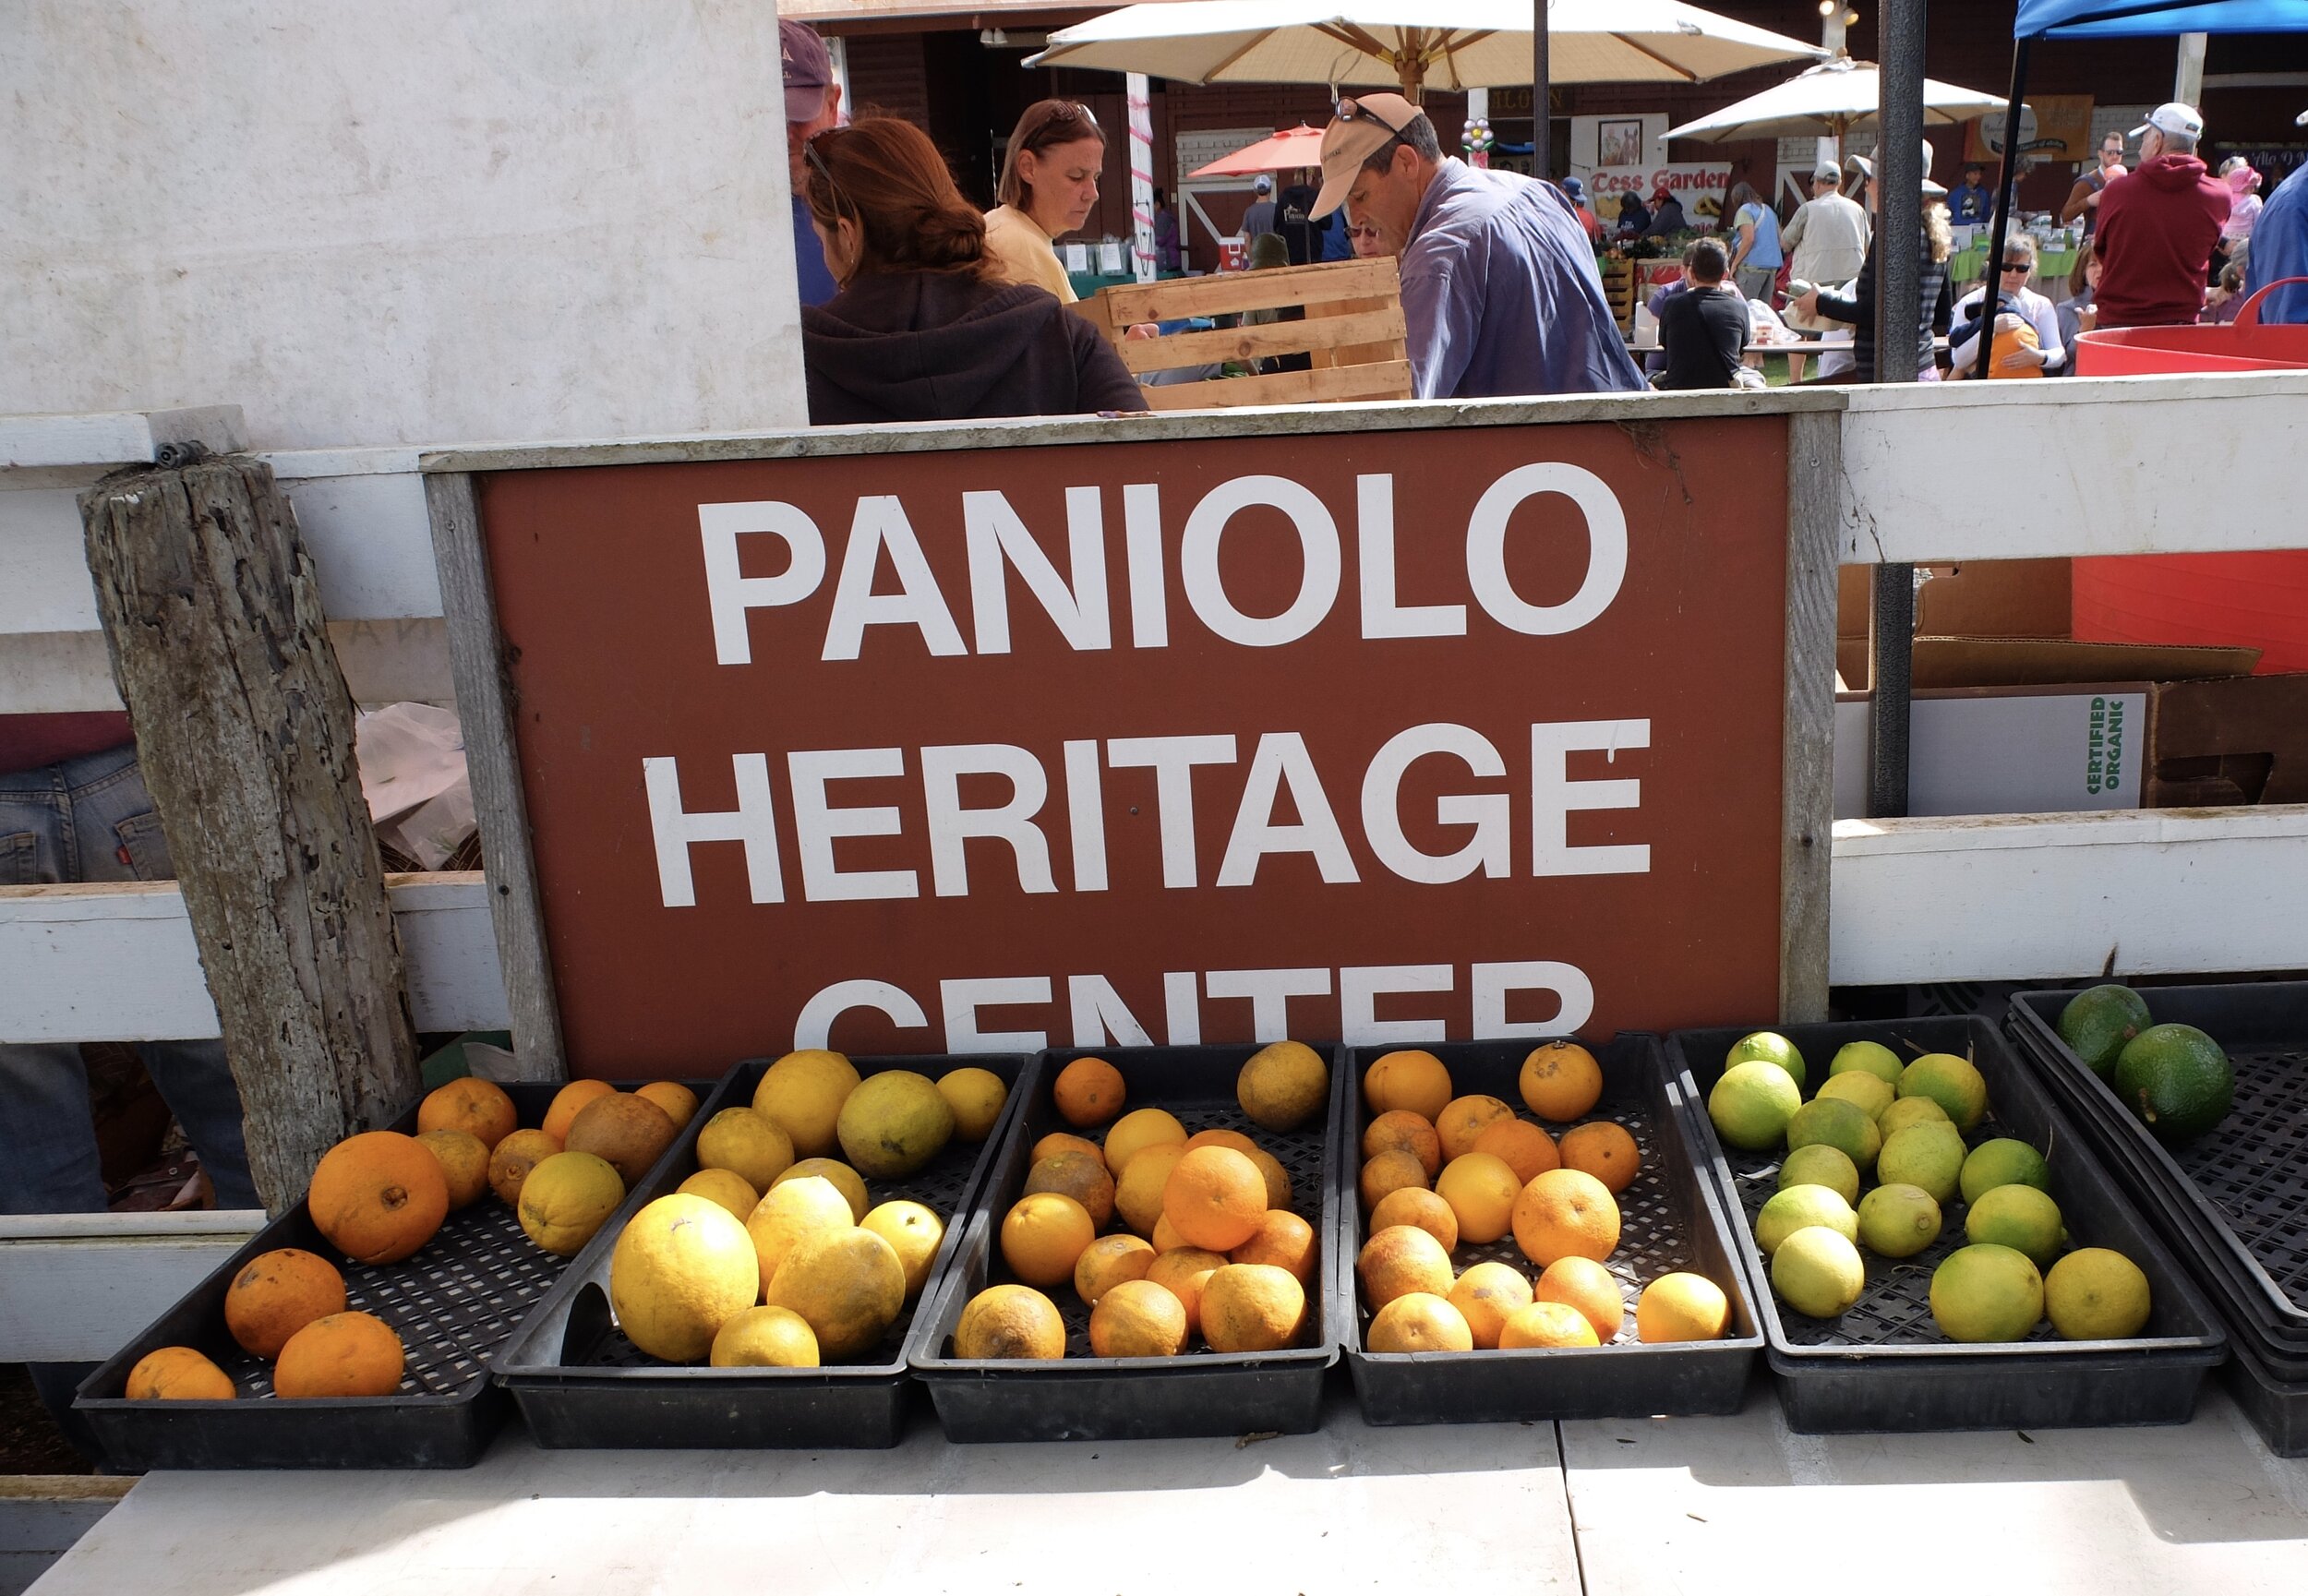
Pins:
x,y
1411,44
1827,99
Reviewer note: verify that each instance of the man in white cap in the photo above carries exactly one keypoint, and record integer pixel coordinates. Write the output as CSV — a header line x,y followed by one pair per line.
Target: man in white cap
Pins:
x,y
2279,247
2157,225
1499,285
812,105
1261,216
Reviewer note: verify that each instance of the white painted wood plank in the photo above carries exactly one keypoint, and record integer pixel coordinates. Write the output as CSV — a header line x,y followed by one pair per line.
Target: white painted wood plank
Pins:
x,y
371,542
48,588
80,1299
2036,897
384,662
113,438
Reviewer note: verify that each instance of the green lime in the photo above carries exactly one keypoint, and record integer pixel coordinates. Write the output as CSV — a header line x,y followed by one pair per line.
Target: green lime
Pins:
x,y
1930,1154
1872,1092
1952,1083
2100,1020
2097,1294
1793,1208
1898,1220
1834,1122
1908,1111
1986,1292
2003,1162
1771,1047
2020,1218
2177,1080
1752,1105
1873,1057
1821,1165
1818,1272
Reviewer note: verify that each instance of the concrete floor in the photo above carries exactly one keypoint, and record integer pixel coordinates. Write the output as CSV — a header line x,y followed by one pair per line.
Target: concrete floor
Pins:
x,y
1718,1505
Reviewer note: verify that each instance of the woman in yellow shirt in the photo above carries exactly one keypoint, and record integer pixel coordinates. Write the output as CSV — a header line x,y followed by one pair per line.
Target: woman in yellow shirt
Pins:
x,y
1049,186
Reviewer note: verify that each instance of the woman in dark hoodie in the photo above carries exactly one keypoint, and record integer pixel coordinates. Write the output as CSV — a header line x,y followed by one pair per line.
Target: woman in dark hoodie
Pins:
x,y
919,331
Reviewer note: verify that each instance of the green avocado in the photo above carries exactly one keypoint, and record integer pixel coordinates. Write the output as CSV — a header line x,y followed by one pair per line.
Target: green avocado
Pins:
x,y
2098,1022
2176,1079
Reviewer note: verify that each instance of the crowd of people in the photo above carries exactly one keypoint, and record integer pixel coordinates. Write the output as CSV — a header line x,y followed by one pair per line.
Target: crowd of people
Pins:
x,y
918,307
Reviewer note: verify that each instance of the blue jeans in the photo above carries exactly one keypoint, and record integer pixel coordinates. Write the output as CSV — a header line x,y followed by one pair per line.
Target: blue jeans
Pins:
x,y
90,820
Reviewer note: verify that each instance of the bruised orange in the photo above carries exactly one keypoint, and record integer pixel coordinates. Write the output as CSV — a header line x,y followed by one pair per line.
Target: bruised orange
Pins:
x,y
1398,1260
177,1375
1560,1081
1464,1119
1088,1092
470,1104
1604,1150
1081,1176
1400,1131
1387,1172
566,1101
514,1158
377,1196
1417,1206
625,1131
277,1294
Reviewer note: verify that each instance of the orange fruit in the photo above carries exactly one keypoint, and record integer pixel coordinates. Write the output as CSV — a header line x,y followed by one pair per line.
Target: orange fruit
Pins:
x,y
678,1101
1251,1308
1485,1295
1421,1322
843,1178
726,1187
1560,1081
464,1164
1584,1284
514,1158
1184,1274
1215,1198
1044,1235
1010,1321
1285,1241
1681,1307
277,1294
481,1108
1278,1179
1108,1261
1566,1213
1166,1236
914,1233
1062,1142
341,1355
1081,1176
1464,1119
803,1094
1546,1325
1400,1131
1481,1191
178,1374
1138,1319
1139,1130
747,1143
1398,1260
377,1196
1527,1149
624,1130
1138,1194
789,1212
1409,1078
1283,1086
1088,1092
566,1101
567,1199
1416,1205
1216,1136
1391,1172
1604,1150
849,1284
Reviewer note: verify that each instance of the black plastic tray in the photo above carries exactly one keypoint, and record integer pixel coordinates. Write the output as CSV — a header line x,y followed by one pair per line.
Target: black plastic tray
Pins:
x,y
581,1383
1083,1398
2235,1200
2278,1408
454,1304
1884,1365
1670,1218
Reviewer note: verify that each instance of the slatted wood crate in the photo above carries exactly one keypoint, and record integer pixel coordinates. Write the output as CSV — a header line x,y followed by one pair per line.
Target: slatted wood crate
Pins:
x,y
1352,332
1618,291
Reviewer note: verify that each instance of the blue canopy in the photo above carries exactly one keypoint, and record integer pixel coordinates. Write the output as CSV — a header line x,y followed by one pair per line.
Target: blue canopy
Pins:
x,y
2123,18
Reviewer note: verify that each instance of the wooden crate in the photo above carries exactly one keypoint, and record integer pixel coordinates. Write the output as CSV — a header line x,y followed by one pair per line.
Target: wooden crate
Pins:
x,y
1354,332
1618,291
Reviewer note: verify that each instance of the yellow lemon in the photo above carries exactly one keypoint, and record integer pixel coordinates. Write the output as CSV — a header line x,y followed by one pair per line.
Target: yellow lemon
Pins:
x,y
726,1187
803,1092
766,1337
913,1232
976,1096
845,1180
566,1199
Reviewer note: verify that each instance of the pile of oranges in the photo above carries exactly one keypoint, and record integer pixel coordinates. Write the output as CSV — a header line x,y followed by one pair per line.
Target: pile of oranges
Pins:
x,y
377,1197
1442,1169
1166,1236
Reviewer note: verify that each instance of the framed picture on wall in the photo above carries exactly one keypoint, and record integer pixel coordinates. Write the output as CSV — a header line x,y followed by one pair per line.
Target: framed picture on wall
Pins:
x,y
1619,143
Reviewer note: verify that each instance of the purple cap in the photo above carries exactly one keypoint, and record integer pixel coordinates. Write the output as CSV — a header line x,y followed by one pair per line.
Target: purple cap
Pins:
x,y
809,70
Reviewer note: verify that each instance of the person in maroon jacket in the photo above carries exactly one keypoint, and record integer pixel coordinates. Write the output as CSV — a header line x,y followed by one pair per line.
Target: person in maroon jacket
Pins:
x,y
2157,226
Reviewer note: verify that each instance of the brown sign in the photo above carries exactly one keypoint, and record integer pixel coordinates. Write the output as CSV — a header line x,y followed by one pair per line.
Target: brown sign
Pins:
x,y
1386,736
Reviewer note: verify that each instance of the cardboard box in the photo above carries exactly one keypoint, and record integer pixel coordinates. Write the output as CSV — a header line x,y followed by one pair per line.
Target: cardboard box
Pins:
x,y
2235,741
2006,751
1978,599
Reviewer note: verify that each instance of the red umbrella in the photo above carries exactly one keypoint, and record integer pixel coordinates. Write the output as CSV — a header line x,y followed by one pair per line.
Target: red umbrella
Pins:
x,y
1300,145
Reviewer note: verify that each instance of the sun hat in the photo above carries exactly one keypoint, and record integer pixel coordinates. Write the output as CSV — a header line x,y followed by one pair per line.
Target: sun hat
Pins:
x,y
1365,125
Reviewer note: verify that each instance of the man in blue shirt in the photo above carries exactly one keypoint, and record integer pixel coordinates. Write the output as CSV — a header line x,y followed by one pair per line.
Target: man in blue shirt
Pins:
x,y
1499,287
2279,247
1973,203
812,105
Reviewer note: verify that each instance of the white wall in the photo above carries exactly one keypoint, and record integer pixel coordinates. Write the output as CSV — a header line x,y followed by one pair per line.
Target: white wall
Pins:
x,y
410,222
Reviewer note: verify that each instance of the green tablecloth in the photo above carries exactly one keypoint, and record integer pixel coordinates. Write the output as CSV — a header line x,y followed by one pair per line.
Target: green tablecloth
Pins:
x,y
1971,265
1088,283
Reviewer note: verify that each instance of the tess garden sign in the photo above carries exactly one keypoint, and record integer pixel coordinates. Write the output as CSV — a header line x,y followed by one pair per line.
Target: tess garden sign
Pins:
x,y
1388,736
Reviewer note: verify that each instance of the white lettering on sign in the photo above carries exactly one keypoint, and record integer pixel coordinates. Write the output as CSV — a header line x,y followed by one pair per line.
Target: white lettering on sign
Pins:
x,y
1096,1016
999,546
1282,772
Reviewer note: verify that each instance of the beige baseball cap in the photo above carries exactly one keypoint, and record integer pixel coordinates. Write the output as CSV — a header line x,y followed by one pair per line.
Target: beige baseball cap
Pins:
x,y
1365,125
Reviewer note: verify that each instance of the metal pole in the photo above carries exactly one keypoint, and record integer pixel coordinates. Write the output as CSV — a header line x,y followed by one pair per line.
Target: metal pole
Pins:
x,y
1139,94
2003,197
1541,158
1898,312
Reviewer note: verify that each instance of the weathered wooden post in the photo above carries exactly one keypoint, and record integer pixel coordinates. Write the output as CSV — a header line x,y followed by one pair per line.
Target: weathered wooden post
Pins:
x,y
244,730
